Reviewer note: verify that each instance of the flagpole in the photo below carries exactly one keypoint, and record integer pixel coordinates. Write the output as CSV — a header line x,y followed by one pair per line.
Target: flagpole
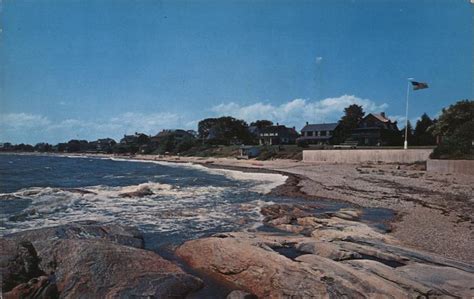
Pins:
x,y
405,144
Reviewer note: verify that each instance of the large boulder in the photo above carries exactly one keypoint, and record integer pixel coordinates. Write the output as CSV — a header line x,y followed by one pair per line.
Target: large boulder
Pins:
x,y
97,268
90,260
19,263
83,230
274,265
257,269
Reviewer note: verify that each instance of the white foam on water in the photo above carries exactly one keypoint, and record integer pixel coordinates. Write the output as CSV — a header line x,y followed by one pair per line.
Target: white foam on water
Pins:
x,y
159,207
265,182
162,207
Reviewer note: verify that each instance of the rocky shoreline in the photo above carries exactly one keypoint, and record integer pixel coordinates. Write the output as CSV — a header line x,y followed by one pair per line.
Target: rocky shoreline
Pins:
x,y
301,254
329,256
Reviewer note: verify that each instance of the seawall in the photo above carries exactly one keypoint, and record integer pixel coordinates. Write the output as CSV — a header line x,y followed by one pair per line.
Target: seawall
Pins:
x,y
451,166
367,155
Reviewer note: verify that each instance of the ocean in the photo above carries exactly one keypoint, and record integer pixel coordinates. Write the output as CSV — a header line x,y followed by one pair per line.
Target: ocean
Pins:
x,y
168,202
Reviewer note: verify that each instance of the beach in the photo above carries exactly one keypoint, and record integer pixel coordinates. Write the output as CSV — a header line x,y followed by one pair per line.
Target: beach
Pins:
x,y
324,230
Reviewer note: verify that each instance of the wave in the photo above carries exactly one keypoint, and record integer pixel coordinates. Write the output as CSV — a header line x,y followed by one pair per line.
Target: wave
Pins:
x,y
265,181
157,207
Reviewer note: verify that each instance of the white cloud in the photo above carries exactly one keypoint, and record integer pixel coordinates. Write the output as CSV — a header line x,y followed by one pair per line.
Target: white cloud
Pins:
x,y
297,111
319,59
31,128
22,120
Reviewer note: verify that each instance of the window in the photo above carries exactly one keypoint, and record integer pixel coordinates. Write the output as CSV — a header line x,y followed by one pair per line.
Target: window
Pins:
x,y
309,133
323,133
329,133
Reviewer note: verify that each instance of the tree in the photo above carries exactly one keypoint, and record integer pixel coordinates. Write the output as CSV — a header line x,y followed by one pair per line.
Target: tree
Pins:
x,y
456,126
422,134
224,130
353,114
453,117
260,124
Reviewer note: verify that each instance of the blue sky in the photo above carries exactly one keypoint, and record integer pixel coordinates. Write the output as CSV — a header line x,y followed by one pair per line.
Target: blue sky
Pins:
x,y
94,68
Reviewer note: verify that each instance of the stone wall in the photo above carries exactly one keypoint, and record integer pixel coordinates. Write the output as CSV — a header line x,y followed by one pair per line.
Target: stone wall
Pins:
x,y
451,166
367,155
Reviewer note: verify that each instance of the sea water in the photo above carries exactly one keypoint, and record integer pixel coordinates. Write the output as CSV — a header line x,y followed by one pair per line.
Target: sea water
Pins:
x,y
168,201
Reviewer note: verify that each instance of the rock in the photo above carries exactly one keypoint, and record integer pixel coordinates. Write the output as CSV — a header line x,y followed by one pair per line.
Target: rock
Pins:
x,y
241,261
90,260
344,280
340,229
240,295
82,230
140,192
327,250
18,263
352,268
348,214
39,288
100,269
291,228
447,279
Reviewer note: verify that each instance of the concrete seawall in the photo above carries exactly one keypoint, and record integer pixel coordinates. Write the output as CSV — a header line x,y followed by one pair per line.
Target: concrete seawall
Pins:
x,y
451,166
367,155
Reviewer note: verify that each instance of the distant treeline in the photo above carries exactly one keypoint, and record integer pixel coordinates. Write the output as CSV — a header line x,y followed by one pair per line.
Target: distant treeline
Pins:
x,y
453,132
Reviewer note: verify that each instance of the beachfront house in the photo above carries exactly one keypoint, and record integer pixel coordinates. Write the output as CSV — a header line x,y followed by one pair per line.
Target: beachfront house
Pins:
x,y
105,145
317,133
375,130
279,134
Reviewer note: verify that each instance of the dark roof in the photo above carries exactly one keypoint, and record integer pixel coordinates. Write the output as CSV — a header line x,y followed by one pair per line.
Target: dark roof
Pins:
x,y
278,129
320,127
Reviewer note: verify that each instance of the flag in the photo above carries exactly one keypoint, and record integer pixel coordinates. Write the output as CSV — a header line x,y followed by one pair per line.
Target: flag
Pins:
x,y
419,85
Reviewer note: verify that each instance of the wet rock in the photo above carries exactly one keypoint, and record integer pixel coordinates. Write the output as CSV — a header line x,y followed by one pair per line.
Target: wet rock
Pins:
x,y
90,260
98,268
19,263
140,192
275,211
82,230
240,295
348,214
42,287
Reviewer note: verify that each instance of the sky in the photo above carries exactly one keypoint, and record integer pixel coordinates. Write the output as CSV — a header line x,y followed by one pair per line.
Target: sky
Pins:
x,y
90,69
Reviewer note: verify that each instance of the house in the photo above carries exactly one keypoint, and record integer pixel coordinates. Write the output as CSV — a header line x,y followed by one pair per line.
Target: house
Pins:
x,y
104,145
376,129
136,139
317,133
279,134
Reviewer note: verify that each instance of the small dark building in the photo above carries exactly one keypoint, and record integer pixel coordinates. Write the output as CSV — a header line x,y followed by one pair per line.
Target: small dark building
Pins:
x,y
317,133
376,129
279,134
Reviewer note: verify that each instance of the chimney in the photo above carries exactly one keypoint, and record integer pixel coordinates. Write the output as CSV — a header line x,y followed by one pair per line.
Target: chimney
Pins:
x,y
278,124
307,123
382,113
